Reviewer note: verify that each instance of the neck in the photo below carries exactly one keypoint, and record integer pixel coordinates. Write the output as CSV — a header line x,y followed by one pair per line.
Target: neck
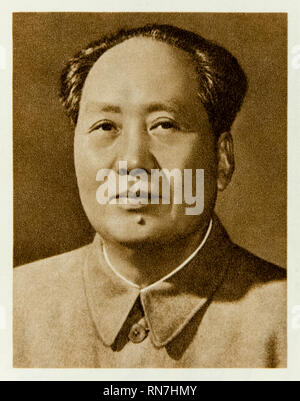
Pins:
x,y
148,263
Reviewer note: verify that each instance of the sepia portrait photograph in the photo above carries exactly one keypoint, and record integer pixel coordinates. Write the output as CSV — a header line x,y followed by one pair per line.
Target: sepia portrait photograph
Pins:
x,y
150,190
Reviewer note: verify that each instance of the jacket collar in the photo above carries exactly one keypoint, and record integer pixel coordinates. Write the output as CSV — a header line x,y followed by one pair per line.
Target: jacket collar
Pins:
x,y
169,305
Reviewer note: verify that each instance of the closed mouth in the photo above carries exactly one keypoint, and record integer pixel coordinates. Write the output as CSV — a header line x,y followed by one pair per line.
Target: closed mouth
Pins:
x,y
138,195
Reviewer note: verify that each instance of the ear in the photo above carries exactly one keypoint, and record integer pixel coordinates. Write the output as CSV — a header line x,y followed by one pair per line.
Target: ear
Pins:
x,y
225,160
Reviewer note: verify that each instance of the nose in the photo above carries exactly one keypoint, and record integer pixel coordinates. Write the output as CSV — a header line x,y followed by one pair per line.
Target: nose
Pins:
x,y
134,148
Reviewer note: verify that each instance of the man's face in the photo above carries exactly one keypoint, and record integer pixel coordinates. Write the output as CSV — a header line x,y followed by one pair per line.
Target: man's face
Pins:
x,y
140,105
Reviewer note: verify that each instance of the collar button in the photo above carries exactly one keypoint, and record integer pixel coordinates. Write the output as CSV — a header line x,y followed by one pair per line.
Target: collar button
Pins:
x,y
137,334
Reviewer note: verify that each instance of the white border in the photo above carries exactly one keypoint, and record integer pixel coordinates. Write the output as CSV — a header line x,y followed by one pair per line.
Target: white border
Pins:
x,y
6,370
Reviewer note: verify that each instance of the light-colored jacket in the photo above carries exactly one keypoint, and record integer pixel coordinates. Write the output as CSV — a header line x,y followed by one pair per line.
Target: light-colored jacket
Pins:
x,y
225,309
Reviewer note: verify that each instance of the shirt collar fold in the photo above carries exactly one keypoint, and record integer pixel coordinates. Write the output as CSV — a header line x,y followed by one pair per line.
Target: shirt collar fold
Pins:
x,y
110,299
169,305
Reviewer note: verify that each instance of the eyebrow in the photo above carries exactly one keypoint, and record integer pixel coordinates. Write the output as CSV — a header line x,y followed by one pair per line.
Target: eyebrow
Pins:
x,y
104,107
170,106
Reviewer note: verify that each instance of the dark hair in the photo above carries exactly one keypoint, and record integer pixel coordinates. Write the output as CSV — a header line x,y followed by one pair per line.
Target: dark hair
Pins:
x,y
223,83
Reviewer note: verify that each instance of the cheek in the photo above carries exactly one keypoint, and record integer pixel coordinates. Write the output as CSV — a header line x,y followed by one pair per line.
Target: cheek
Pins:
x,y
203,156
83,163
88,160
196,152
178,155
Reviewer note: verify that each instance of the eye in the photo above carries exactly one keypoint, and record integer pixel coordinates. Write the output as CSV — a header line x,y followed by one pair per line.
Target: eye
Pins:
x,y
104,126
167,125
164,126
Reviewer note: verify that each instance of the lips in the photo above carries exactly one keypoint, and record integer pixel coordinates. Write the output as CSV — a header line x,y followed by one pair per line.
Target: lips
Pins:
x,y
135,198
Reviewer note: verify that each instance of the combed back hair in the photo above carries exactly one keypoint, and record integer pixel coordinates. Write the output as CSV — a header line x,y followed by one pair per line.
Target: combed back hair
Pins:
x,y
222,82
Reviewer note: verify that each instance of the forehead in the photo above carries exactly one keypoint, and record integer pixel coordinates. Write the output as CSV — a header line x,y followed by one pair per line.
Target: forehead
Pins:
x,y
142,67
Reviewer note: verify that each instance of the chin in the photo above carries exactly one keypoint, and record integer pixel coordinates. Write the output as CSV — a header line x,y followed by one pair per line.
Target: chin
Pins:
x,y
156,232
124,228
132,234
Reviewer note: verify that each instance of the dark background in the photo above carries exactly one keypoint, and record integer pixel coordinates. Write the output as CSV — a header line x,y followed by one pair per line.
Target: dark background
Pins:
x,y
48,217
